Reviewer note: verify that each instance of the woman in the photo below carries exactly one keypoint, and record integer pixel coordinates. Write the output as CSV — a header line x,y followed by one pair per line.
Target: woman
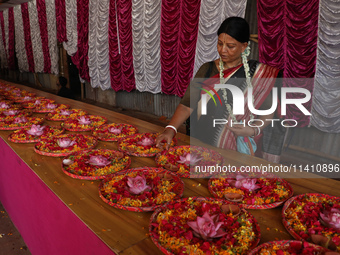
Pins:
x,y
232,46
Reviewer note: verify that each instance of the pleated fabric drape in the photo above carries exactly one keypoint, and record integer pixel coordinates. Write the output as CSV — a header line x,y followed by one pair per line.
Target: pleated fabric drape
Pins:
x,y
157,46
326,96
34,26
212,14
288,40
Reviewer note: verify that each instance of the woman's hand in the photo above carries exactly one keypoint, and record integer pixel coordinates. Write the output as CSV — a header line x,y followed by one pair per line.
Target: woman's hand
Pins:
x,y
181,114
165,137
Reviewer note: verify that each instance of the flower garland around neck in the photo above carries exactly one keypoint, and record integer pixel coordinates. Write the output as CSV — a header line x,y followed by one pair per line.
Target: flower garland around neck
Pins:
x,y
244,55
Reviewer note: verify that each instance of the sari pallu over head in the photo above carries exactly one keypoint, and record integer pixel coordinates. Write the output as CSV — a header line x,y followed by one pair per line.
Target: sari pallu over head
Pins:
x,y
263,80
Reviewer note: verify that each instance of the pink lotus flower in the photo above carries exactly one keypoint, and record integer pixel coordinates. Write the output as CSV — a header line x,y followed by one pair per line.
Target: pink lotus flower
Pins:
x,y
189,159
36,130
51,106
147,141
84,121
11,112
207,227
20,120
250,184
65,142
37,102
115,130
247,183
65,112
67,161
137,185
3,105
331,218
98,160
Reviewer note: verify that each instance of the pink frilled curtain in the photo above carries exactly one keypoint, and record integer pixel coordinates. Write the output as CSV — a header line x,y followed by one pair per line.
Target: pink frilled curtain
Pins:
x,y
41,8
27,35
179,28
60,14
2,24
288,40
80,58
11,49
120,45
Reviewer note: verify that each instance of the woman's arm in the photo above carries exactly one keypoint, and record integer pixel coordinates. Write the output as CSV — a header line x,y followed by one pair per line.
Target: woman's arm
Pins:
x,y
181,114
183,110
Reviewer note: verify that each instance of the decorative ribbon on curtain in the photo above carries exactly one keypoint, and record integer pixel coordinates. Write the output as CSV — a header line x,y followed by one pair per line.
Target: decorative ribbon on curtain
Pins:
x,y
179,28
120,46
20,40
99,62
27,37
146,26
3,36
80,58
11,55
212,14
36,37
326,96
41,8
60,13
288,40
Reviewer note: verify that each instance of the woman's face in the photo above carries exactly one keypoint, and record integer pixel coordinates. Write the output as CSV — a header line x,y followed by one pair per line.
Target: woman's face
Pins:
x,y
230,49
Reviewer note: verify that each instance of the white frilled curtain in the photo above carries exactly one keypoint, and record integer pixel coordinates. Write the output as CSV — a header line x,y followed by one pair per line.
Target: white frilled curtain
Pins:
x,y
146,34
212,14
326,94
43,45
37,51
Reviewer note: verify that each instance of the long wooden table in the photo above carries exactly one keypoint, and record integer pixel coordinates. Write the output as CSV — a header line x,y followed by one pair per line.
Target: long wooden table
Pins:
x,y
118,231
